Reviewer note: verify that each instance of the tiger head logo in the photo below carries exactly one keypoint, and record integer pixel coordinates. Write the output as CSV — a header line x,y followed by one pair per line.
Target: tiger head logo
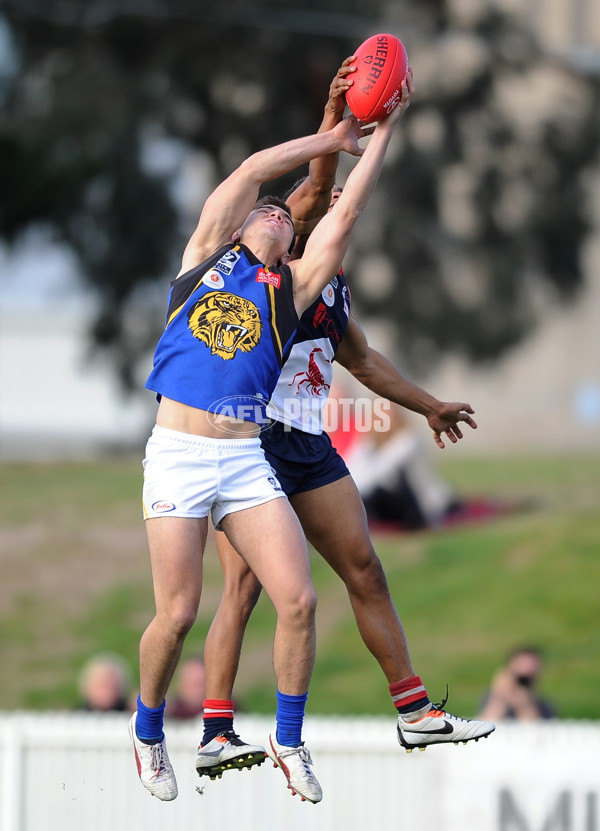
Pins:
x,y
225,323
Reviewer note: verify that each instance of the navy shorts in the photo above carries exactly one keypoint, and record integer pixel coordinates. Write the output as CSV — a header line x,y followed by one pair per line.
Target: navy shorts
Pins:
x,y
301,461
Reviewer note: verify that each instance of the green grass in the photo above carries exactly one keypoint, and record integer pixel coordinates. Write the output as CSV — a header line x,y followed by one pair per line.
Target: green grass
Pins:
x,y
75,581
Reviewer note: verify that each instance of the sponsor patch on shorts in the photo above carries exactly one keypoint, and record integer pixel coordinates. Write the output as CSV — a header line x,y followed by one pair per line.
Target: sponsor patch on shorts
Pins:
x,y
163,507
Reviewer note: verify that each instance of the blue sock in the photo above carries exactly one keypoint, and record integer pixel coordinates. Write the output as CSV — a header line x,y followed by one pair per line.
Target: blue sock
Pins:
x,y
149,722
290,716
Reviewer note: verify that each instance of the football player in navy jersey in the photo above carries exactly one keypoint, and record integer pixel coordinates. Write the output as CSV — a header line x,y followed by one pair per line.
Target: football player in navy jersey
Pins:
x,y
232,313
323,494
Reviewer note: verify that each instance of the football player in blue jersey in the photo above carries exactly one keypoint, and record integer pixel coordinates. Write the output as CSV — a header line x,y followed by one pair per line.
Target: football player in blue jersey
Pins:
x,y
232,313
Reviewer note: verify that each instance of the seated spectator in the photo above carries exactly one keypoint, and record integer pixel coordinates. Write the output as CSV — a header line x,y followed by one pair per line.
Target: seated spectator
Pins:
x,y
188,699
513,694
396,479
105,683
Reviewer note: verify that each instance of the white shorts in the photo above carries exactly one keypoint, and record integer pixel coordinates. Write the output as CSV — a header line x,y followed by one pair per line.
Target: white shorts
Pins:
x,y
192,476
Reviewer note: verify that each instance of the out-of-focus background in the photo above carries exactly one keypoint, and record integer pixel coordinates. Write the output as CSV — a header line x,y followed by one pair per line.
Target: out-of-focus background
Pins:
x,y
475,265
475,268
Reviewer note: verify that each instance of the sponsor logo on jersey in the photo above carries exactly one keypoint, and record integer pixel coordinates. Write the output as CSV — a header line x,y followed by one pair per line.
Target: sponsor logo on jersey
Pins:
x,y
213,278
228,262
266,276
328,294
163,507
346,295
346,304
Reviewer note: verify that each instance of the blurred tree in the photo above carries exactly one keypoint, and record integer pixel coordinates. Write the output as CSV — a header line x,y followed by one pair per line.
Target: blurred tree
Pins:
x,y
97,93
484,208
481,204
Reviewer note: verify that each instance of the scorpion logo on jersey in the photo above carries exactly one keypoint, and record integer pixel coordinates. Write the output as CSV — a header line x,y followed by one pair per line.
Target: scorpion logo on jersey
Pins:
x,y
225,323
313,377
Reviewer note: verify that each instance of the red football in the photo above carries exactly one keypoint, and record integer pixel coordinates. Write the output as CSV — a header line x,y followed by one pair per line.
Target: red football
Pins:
x,y
381,63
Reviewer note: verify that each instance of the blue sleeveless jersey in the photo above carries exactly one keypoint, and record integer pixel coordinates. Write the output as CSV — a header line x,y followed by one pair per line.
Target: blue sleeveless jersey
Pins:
x,y
230,324
303,387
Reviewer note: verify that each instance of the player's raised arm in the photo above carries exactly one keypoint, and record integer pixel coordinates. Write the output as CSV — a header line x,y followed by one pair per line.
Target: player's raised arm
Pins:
x,y
310,201
328,243
228,206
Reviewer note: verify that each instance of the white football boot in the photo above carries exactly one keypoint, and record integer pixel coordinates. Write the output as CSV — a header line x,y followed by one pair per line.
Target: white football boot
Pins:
x,y
154,768
295,763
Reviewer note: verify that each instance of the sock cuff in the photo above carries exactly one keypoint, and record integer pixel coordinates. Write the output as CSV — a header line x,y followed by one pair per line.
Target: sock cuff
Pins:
x,y
157,710
149,722
292,699
218,707
407,691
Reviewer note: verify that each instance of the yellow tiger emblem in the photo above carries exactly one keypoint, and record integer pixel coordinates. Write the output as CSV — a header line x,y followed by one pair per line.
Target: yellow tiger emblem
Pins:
x,y
225,323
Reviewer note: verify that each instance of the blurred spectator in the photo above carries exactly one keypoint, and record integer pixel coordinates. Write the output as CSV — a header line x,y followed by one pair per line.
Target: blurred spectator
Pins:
x,y
513,694
188,700
105,683
396,480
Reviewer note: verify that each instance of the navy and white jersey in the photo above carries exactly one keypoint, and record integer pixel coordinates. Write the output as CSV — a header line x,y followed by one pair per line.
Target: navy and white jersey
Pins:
x,y
304,383
230,324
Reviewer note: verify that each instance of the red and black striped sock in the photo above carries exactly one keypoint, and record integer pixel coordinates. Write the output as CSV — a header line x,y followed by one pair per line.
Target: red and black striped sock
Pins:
x,y
410,696
218,716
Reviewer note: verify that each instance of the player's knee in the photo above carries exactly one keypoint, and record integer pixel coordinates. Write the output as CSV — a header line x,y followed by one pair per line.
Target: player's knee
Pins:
x,y
301,610
242,594
366,577
181,618
237,608
249,597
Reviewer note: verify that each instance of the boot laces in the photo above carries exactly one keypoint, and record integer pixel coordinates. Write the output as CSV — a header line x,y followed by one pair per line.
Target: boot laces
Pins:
x,y
232,737
441,707
442,703
158,758
302,751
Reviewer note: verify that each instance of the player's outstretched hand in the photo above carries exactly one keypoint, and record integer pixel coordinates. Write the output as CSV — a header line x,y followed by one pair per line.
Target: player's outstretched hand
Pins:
x,y
350,131
340,85
408,90
447,419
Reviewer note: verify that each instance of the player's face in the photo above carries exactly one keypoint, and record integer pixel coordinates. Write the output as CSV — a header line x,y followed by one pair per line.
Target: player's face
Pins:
x,y
271,221
335,195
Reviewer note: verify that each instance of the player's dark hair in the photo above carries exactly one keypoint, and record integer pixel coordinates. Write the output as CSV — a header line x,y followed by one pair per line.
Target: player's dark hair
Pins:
x,y
273,200
296,185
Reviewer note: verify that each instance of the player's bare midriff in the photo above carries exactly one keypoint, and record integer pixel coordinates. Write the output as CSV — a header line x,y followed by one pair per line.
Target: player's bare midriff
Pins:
x,y
173,415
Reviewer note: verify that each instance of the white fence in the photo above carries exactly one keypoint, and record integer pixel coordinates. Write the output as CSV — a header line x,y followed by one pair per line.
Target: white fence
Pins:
x,y
76,772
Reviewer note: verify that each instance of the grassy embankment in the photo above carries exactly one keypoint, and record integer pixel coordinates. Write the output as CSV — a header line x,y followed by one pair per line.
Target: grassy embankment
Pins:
x,y
75,580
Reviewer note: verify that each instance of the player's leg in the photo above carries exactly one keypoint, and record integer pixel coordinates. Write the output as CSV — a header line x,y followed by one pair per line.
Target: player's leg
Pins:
x,y
335,523
221,748
241,590
176,547
270,539
331,511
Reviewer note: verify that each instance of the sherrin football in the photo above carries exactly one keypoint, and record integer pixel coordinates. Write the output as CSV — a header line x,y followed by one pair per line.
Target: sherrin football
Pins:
x,y
381,65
